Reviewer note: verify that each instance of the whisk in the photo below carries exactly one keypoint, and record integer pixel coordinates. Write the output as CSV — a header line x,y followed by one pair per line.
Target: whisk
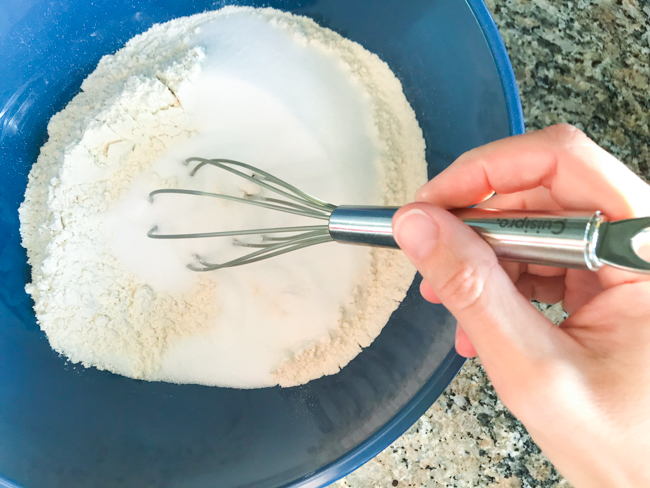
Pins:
x,y
565,239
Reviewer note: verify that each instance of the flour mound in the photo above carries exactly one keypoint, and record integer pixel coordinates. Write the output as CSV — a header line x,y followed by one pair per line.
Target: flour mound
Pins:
x,y
98,311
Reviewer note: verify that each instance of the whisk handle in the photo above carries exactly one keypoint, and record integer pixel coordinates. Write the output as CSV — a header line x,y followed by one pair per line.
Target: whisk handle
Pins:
x,y
565,239
366,226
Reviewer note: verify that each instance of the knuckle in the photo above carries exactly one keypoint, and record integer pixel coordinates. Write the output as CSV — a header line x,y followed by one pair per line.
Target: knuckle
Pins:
x,y
566,135
464,288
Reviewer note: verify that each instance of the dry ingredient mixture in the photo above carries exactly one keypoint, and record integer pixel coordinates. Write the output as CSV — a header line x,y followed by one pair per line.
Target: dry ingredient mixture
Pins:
x,y
257,85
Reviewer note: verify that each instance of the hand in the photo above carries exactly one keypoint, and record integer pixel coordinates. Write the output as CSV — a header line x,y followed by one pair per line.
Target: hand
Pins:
x,y
581,389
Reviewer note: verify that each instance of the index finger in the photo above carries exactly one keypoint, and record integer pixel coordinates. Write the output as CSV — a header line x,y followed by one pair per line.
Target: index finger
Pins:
x,y
578,173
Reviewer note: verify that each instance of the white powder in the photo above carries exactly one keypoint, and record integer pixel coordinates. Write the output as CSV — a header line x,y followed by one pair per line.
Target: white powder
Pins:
x,y
261,86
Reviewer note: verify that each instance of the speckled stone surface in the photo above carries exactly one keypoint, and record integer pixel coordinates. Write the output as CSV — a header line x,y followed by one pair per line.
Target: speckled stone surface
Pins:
x,y
582,62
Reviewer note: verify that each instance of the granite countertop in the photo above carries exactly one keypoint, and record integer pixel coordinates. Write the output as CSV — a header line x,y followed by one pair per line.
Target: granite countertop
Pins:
x,y
584,62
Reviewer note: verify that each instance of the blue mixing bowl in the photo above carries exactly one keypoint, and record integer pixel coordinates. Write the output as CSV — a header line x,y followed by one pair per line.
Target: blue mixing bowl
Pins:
x,y
65,426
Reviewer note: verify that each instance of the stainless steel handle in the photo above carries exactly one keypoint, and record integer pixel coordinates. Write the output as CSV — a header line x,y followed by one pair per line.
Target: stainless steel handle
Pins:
x,y
366,226
550,238
565,239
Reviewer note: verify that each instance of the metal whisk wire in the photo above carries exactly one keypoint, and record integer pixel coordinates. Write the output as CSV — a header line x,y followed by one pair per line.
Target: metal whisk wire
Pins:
x,y
298,203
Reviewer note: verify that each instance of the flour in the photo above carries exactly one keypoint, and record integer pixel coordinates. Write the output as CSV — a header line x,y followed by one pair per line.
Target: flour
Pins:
x,y
262,86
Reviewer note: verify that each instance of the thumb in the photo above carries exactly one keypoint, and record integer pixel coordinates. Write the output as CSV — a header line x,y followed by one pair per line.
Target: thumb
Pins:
x,y
463,271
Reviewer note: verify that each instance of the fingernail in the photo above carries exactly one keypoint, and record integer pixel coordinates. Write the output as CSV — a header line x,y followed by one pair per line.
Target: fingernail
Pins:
x,y
421,192
416,233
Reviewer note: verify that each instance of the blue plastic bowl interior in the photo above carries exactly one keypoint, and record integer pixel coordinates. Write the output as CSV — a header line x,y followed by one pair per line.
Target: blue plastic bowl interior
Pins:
x,y
64,426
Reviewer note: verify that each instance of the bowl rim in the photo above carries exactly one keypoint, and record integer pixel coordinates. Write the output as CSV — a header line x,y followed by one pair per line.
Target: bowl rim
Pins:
x,y
451,365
